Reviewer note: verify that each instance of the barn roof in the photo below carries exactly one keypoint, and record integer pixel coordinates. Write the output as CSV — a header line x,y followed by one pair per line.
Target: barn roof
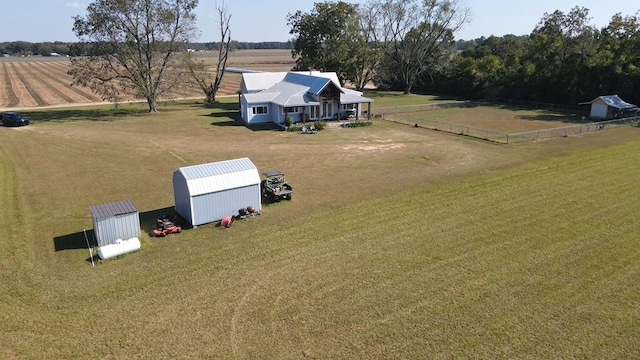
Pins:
x,y
614,101
219,176
113,209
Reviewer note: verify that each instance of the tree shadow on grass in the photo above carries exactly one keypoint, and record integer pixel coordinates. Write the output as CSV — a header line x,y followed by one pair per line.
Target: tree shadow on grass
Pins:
x,y
225,118
81,114
226,106
224,114
564,118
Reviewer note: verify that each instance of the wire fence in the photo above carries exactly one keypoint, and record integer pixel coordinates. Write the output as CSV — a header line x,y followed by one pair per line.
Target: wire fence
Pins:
x,y
478,102
454,129
381,112
494,136
571,130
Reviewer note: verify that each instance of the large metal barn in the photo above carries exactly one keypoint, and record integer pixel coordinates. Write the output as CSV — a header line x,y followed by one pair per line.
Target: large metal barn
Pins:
x,y
208,192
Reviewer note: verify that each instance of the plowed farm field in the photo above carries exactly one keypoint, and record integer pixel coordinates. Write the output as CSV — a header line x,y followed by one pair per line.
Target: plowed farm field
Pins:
x,y
31,82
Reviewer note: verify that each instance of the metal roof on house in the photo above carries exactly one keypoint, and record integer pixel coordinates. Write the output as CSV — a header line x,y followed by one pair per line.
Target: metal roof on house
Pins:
x,y
113,209
312,81
254,82
261,97
219,176
614,101
353,97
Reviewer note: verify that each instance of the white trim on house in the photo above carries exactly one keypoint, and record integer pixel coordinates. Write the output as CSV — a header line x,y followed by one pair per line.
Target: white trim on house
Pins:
x,y
313,95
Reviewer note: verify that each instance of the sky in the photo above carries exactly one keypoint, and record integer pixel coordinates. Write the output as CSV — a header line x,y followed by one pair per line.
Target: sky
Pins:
x,y
266,20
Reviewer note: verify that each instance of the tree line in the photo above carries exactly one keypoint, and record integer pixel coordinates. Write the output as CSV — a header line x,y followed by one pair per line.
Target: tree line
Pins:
x,y
565,60
409,45
25,48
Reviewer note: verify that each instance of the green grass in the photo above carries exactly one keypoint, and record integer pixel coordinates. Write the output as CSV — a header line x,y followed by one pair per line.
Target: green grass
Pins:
x,y
399,243
383,99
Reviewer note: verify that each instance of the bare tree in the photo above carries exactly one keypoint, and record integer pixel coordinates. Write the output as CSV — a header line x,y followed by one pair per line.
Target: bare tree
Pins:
x,y
133,47
368,62
417,34
199,69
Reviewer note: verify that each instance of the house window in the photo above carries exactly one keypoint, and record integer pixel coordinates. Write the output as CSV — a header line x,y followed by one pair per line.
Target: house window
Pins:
x,y
259,110
291,109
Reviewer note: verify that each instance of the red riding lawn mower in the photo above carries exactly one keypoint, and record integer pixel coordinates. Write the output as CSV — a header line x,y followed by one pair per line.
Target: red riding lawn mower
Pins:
x,y
165,226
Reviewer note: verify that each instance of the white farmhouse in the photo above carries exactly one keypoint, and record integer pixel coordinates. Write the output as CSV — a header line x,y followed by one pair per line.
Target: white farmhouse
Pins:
x,y
269,97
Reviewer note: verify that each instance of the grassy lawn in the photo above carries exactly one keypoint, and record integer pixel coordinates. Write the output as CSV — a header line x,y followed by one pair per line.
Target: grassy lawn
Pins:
x,y
501,119
398,243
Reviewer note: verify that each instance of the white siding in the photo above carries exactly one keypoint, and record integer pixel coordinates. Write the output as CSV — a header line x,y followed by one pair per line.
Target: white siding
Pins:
x,y
599,111
215,206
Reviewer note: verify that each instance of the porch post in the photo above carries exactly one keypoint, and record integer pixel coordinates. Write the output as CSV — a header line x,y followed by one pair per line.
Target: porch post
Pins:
x,y
368,111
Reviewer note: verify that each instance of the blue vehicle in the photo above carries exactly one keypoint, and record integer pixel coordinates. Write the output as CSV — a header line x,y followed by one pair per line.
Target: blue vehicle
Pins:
x,y
12,118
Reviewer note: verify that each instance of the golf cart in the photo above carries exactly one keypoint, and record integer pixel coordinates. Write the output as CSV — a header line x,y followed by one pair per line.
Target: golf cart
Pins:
x,y
274,187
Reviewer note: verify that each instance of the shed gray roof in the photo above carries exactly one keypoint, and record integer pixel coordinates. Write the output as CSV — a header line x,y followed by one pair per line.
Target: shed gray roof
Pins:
x,y
112,209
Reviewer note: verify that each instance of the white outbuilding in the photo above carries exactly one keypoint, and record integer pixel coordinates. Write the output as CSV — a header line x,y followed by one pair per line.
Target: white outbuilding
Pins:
x,y
208,192
115,221
610,107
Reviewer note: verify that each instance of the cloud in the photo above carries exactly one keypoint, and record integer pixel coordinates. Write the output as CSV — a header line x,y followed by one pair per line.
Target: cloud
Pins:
x,y
74,4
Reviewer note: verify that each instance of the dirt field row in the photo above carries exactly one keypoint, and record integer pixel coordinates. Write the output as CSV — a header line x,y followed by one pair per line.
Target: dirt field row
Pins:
x,y
43,81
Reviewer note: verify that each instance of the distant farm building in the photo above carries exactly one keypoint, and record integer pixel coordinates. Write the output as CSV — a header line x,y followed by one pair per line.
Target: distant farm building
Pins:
x,y
114,221
610,107
209,192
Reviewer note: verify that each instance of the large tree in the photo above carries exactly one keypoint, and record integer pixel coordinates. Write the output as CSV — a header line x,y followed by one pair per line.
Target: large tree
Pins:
x,y
562,49
329,38
133,47
418,35
619,57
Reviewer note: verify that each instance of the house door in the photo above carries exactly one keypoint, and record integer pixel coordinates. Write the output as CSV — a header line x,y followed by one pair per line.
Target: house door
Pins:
x,y
327,109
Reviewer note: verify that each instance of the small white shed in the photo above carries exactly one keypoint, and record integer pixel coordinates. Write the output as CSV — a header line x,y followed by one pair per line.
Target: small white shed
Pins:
x,y
208,192
113,221
608,107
